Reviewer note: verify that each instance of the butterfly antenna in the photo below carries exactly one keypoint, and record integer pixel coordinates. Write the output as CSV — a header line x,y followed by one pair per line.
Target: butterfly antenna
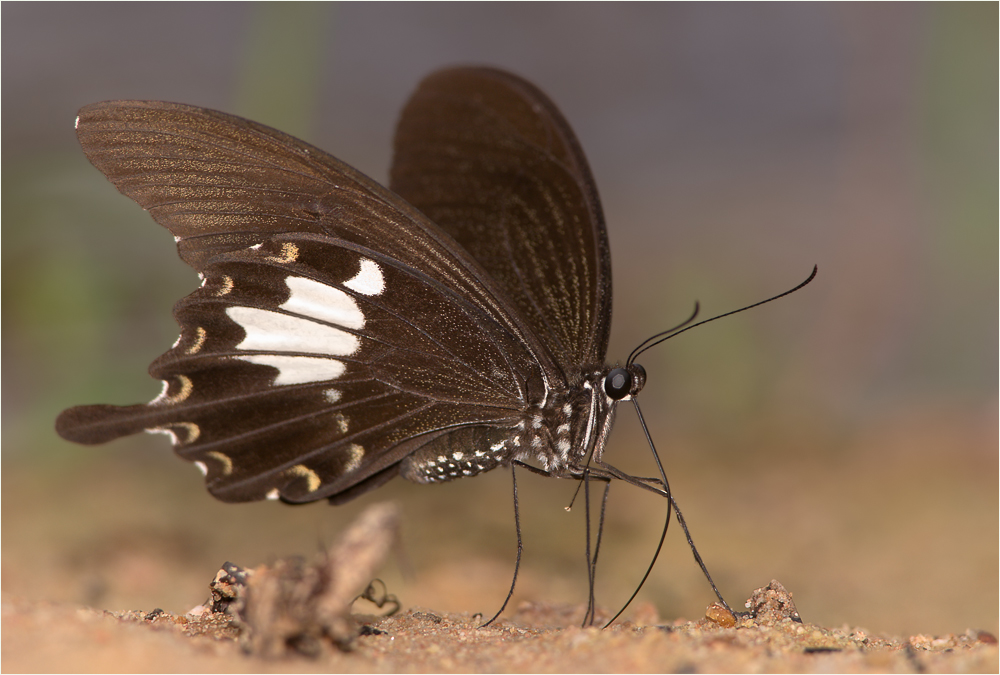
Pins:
x,y
641,348
520,547
666,335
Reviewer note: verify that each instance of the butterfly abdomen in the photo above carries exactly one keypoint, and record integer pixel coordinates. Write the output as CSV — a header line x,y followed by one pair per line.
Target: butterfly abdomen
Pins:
x,y
467,451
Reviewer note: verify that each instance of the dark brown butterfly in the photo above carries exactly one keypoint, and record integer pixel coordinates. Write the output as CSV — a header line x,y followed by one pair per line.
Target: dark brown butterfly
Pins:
x,y
343,333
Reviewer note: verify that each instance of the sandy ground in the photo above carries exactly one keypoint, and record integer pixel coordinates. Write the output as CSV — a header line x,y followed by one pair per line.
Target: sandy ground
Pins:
x,y
536,638
890,552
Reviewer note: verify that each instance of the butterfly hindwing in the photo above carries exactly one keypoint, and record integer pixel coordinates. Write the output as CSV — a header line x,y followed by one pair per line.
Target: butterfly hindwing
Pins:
x,y
491,160
285,385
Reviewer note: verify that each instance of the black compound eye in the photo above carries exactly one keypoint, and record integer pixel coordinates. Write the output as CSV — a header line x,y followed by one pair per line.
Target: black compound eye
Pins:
x,y
618,383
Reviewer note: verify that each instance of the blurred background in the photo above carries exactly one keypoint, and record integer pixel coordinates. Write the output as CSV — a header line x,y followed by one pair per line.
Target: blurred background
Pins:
x,y
842,440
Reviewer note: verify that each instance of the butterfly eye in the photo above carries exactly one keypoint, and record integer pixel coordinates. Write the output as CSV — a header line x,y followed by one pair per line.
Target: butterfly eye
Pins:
x,y
622,382
618,383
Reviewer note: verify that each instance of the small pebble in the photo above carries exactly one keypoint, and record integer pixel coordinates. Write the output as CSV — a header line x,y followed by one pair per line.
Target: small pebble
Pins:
x,y
718,614
986,637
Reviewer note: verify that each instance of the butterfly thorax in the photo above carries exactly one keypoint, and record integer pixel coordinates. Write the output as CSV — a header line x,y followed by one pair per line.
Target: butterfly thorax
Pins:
x,y
583,418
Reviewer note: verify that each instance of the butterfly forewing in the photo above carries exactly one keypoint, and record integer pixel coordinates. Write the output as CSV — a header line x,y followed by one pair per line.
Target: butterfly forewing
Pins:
x,y
489,158
220,182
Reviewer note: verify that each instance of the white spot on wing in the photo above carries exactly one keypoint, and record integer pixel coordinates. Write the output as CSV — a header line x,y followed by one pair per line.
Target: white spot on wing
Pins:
x,y
298,369
76,124
289,252
303,471
274,332
199,341
227,464
342,422
272,494
201,467
193,432
332,395
227,286
186,388
368,280
354,455
318,301
166,432
164,398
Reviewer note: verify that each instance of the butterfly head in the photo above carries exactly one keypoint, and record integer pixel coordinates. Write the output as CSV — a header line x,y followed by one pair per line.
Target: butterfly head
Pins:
x,y
621,384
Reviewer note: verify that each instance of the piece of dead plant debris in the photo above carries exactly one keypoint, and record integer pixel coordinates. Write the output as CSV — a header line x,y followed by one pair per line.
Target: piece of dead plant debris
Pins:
x,y
295,607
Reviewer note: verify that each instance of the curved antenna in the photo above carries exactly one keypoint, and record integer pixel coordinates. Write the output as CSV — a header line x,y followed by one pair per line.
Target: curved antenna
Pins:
x,y
640,348
680,329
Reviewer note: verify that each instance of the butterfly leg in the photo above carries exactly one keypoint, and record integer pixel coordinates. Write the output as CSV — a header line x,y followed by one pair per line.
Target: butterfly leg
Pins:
x,y
588,618
608,472
662,488
585,475
520,547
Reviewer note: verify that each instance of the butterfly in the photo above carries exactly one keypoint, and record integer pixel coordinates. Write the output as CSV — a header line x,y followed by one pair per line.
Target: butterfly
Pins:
x,y
344,333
